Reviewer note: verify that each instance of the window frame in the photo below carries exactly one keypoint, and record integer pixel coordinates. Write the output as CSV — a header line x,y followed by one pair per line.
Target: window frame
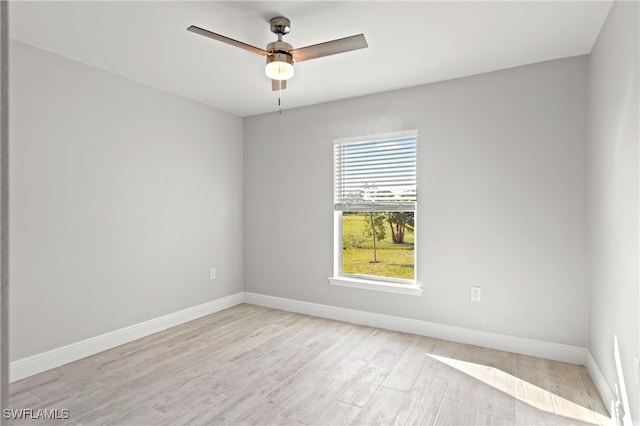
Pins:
x,y
370,282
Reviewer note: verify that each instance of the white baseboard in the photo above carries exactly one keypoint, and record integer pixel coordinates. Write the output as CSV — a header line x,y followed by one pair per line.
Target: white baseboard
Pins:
x,y
56,357
532,347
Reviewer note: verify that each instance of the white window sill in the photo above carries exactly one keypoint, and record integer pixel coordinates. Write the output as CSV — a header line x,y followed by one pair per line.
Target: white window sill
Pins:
x,y
385,286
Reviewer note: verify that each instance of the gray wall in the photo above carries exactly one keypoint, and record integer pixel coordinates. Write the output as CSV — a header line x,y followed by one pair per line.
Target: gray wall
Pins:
x,y
122,198
613,198
502,200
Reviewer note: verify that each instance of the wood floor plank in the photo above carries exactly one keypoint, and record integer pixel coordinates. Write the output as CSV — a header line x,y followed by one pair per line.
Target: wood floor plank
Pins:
x,y
497,403
365,383
242,400
298,386
488,420
313,403
195,393
501,360
335,413
382,408
534,395
424,399
334,336
267,412
497,397
25,399
528,415
529,364
460,403
596,402
443,357
573,403
383,352
406,371
144,415
564,374
250,364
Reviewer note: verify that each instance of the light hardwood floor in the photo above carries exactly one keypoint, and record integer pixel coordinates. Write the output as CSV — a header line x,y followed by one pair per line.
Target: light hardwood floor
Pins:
x,y
253,365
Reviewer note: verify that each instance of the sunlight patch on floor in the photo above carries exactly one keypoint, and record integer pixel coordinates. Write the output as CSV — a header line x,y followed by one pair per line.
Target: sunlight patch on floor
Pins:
x,y
563,401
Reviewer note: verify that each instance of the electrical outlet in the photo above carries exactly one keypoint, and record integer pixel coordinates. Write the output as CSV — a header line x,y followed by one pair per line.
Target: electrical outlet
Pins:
x,y
475,293
212,274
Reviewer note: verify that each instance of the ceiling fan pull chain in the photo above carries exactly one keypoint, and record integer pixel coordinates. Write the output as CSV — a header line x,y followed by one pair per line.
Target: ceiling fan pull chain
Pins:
x,y
280,99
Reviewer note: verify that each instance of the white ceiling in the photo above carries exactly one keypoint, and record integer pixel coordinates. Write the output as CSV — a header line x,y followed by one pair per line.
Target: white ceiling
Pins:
x,y
410,43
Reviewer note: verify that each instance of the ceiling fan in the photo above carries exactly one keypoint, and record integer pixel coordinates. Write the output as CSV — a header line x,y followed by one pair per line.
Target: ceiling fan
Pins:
x,y
281,55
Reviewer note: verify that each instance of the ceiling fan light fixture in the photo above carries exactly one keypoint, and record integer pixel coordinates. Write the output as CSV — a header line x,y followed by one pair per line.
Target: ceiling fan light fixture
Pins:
x,y
279,66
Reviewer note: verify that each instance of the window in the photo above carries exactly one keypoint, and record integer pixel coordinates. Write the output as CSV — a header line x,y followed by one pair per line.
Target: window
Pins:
x,y
375,205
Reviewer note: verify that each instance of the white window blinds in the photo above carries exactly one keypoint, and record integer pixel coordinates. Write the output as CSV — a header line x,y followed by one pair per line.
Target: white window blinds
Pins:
x,y
376,174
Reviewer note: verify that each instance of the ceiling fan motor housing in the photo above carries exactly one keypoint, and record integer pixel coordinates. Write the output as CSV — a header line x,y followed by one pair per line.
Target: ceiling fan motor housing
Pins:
x,y
279,52
279,46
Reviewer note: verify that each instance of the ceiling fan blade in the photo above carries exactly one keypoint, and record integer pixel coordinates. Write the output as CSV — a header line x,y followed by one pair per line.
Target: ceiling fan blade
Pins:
x,y
329,48
227,40
278,85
